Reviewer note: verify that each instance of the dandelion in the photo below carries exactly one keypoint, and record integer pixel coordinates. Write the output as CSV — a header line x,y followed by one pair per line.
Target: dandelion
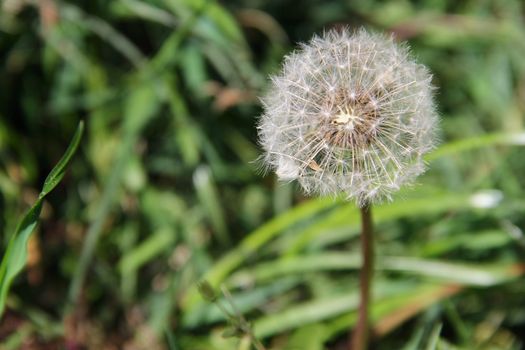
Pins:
x,y
349,114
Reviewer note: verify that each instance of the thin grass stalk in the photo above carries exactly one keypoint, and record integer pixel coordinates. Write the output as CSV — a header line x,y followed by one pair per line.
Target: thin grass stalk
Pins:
x,y
361,332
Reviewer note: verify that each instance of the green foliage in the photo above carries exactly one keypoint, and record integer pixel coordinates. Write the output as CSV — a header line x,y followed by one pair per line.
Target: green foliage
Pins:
x,y
167,192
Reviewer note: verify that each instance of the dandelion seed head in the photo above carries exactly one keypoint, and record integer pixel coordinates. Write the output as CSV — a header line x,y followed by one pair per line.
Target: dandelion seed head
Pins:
x,y
350,113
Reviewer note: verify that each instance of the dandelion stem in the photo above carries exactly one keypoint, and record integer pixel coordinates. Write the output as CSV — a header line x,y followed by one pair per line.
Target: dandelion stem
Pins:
x,y
360,336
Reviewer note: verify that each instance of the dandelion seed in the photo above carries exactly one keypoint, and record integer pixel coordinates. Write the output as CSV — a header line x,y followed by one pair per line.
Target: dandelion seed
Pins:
x,y
350,113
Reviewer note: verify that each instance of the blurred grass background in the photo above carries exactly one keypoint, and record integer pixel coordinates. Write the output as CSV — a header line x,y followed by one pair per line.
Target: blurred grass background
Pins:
x,y
164,190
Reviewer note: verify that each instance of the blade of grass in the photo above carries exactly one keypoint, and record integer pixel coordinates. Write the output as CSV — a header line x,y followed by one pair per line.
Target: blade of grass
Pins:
x,y
473,275
150,12
346,217
434,337
245,301
154,245
323,308
105,31
389,313
254,241
142,105
172,345
487,140
15,256
209,198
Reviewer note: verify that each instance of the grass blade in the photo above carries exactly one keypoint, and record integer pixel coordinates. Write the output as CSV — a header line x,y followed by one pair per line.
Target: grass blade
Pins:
x,y
14,258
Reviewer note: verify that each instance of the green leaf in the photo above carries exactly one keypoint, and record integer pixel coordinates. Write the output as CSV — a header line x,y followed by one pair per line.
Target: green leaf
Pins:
x,y
316,310
151,247
434,338
487,140
57,173
342,223
14,258
324,308
209,198
459,272
310,337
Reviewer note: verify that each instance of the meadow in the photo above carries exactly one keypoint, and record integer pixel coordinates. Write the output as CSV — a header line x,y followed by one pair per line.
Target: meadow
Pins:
x,y
160,188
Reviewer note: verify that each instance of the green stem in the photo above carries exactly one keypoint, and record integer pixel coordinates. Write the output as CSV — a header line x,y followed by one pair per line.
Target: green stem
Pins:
x,y
257,343
245,325
360,336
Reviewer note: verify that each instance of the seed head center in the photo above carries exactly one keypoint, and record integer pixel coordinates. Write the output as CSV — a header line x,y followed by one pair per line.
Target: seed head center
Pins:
x,y
346,119
352,120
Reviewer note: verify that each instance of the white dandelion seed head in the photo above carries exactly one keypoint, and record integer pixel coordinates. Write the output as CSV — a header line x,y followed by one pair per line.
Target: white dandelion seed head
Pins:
x,y
350,113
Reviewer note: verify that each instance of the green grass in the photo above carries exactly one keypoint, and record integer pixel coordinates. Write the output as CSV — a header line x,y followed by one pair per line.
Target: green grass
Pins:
x,y
164,190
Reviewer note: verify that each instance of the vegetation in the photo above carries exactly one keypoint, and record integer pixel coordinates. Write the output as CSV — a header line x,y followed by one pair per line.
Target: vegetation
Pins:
x,y
163,191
